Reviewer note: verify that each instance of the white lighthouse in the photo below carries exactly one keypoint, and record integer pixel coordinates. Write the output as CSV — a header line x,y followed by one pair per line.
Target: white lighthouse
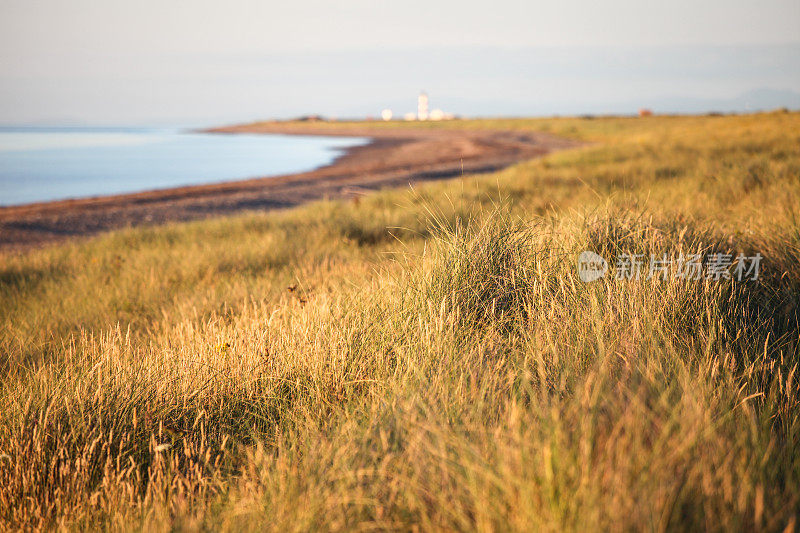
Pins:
x,y
422,106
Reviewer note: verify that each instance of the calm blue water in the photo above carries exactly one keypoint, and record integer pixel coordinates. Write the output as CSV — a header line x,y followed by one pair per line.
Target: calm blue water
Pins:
x,y
40,164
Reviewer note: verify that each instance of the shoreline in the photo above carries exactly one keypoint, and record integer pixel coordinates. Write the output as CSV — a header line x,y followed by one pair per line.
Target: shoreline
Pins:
x,y
336,153
392,157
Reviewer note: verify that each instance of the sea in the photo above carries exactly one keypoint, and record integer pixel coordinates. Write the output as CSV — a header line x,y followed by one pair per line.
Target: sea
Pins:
x,y
39,164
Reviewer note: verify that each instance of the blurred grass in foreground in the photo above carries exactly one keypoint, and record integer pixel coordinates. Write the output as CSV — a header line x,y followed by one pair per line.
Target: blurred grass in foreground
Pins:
x,y
426,357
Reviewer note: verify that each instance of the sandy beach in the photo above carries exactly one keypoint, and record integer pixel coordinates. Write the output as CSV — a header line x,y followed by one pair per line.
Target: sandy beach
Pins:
x,y
395,157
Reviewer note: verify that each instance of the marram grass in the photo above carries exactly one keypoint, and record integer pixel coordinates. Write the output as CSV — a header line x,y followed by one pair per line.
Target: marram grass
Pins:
x,y
426,359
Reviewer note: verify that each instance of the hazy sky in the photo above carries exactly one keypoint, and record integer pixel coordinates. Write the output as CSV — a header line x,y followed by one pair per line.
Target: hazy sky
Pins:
x,y
200,61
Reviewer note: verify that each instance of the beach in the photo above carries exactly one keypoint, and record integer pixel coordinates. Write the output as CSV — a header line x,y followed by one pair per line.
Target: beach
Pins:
x,y
395,157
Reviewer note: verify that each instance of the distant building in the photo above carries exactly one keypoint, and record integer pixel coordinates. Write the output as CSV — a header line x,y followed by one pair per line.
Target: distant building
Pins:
x,y
423,112
310,118
645,112
422,106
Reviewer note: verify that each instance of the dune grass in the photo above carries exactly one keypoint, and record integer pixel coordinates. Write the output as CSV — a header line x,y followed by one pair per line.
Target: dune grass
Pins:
x,y
427,359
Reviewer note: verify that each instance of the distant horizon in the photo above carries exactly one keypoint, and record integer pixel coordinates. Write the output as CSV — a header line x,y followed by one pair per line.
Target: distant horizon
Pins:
x,y
690,107
198,126
205,63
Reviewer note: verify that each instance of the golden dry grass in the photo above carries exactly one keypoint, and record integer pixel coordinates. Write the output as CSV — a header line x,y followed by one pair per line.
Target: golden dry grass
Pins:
x,y
426,359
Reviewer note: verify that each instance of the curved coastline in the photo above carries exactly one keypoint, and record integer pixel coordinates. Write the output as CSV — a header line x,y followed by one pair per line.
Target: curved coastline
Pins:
x,y
392,157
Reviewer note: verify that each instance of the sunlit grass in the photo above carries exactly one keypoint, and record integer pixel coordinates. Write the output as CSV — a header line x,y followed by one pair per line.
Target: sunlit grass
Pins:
x,y
426,358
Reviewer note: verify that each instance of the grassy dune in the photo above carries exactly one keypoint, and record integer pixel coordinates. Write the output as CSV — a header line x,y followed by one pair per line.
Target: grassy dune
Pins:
x,y
427,359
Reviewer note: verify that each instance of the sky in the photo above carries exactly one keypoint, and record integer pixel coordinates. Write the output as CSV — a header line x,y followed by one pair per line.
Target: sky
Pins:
x,y
201,62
